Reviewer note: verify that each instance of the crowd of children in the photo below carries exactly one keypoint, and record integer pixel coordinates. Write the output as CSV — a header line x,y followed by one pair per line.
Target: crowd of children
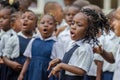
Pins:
x,y
78,42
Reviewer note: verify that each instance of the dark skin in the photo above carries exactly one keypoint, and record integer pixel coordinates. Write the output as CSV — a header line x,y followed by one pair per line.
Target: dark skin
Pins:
x,y
99,69
69,14
4,22
46,28
108,56
78,28
5,19
28,24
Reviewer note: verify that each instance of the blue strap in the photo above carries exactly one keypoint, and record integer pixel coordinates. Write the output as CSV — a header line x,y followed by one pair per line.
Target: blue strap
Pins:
x,y
66,59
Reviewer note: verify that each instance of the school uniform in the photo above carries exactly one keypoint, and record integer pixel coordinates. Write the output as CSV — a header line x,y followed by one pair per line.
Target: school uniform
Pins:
x,y
1,33
81,57
110,44
14,50
39,50
64,35
117,65
4,40
91,74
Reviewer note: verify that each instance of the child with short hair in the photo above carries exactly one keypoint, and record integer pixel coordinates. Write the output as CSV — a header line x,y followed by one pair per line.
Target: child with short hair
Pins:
x,y
39,51
79,54
16,45
5,14
70,12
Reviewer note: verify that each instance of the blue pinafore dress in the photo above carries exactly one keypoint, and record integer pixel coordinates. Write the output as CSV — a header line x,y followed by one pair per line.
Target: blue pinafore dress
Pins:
x,y
41,52
23,42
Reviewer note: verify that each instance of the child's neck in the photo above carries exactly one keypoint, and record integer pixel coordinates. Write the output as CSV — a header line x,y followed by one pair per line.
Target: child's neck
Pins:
x,y
6,29
28,34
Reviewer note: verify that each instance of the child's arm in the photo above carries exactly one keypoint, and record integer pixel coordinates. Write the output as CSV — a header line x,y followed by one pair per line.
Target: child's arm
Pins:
x,y
25,66
53,62
14,65
66,67
108,56
99,69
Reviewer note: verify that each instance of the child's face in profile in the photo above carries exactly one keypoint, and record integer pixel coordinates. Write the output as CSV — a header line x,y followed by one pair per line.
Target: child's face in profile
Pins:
x,y
5,19
47,26
79,26
70,13
29,21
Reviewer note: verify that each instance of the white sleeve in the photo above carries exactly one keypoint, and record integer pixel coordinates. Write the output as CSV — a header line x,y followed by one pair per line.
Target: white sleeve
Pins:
x,y
85,58
27,52
98,57
9,46
2,45
57,51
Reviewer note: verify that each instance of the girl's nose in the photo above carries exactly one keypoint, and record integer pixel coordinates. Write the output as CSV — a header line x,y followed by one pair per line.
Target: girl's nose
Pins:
x,y
46,24
73,26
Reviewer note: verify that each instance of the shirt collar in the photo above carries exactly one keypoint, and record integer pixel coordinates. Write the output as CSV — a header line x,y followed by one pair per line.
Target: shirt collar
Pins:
x,y
38,35
21,34
79,42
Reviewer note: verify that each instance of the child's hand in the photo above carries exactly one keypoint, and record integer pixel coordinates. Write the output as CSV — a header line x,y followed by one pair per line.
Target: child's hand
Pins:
x,y
55,71
53,63
98,49
16,66
20,77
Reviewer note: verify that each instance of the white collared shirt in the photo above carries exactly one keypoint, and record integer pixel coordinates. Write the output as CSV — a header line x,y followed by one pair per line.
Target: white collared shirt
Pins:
x,y
1,33
12,48
64,35
5,38
27,52
110,43
82,56
117,65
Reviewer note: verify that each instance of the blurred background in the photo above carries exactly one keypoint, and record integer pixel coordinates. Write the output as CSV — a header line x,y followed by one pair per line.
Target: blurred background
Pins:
x,y
106,5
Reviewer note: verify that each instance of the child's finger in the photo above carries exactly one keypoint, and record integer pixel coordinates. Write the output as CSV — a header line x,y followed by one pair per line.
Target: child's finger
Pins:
x,y
48,67
50,74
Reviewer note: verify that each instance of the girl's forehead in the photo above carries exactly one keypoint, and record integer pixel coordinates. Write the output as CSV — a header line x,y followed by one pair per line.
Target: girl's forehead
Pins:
x,y
80,15
47,17
29,13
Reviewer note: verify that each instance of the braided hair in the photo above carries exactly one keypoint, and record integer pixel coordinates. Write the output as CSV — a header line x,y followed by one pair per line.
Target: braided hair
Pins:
x,y
96,21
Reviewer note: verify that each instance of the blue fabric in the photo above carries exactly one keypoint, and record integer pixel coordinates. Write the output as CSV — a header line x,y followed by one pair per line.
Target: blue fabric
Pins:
x,y
86,77
23,42
3,72
107,75
66,59
66,77
41,52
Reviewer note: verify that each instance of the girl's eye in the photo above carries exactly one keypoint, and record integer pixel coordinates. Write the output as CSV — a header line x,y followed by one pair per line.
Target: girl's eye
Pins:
x,y
42,22
79,25
23,17
31,18
5,17
51,23
68,14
